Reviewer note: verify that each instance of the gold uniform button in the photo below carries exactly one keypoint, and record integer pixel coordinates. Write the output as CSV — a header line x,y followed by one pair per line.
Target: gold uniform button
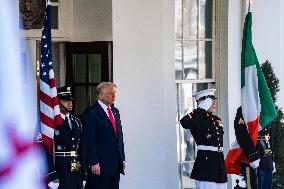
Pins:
x,y
206,157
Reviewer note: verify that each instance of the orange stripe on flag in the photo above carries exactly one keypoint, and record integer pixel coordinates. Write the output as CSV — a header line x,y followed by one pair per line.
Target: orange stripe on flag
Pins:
x,y
236,156
253,129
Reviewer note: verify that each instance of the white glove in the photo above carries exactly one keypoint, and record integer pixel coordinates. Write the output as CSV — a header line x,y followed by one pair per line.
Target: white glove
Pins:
x,y
53,185
205,104
255,164
274,168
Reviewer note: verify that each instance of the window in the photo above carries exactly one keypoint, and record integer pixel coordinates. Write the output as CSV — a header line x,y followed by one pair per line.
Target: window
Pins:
x,y
87,64
194,71
54,14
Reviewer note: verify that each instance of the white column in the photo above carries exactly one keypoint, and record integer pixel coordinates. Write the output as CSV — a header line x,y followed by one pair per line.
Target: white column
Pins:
x,y
143,35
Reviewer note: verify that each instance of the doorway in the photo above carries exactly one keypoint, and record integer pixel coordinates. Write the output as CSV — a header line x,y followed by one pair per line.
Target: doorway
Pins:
x,y
87,65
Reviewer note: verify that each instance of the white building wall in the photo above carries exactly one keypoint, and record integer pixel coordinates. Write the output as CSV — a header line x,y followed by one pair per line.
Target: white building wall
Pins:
x,y
92,20
143,35
235,26
267,36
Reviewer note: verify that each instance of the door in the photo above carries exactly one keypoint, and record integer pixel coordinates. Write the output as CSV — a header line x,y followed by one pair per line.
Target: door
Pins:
x,y
87,64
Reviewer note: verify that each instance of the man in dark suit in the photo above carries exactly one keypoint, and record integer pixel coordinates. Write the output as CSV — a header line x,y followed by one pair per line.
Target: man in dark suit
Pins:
x,y
69,156
103,140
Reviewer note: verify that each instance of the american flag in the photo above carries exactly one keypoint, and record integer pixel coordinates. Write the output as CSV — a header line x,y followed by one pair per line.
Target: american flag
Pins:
x,y
49,109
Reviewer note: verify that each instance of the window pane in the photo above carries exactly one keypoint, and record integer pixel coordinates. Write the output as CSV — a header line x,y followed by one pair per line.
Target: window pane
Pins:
x,y
205,19
54,17
94,68
79,65
190,11
187,183
190,60
185,100
178,59
187,146
205,60
93,97
178,19
81,99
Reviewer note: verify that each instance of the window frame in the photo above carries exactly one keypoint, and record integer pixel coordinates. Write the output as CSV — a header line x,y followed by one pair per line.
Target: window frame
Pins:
x,y
210,81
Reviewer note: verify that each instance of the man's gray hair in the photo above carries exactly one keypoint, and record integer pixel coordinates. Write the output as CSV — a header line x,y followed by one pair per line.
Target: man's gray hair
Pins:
x,y
102,86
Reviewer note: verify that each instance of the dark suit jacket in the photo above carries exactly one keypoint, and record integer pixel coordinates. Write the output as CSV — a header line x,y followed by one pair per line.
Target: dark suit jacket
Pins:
x,y
101,144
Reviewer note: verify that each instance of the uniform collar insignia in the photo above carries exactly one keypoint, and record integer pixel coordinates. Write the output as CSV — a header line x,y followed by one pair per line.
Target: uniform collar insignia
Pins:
x,y
241,121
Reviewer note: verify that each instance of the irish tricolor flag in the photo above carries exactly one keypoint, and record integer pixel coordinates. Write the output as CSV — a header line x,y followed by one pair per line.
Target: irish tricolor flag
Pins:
x,y
257,106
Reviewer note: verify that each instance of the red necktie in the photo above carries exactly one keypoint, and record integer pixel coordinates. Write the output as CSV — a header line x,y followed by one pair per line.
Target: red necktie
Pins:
x,y
112,120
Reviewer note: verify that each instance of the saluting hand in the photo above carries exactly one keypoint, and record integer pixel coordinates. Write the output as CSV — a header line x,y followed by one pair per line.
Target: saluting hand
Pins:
x,y
96,169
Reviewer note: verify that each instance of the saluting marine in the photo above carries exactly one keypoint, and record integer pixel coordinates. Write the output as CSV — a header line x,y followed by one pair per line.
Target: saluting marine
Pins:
x,y
69,159
209,169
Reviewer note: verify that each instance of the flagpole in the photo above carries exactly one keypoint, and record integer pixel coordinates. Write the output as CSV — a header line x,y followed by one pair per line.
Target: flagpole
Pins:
x,y
249,4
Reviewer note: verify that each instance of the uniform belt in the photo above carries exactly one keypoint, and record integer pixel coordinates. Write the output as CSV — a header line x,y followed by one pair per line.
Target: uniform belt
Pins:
x,y
66,154
210,148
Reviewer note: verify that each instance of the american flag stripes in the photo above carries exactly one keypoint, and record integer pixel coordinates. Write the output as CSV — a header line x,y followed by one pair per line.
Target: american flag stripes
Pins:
x,y
49,109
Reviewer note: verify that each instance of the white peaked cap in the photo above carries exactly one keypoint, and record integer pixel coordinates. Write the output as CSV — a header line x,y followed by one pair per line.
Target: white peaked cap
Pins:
x,y
207,92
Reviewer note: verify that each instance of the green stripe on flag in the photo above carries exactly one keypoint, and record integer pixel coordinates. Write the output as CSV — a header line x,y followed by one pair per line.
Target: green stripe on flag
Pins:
x,y
249,58
268,112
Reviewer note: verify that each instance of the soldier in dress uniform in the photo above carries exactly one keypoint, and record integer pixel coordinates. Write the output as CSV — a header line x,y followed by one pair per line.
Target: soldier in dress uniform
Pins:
x,y
50,176
266,166
248,168
259,156
69,160
209,169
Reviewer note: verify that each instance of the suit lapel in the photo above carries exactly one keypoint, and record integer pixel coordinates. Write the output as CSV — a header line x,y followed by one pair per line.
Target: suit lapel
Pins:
x,y
104,116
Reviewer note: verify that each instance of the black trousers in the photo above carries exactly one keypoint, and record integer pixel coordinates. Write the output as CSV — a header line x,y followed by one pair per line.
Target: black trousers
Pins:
x,y
103,182
68,179
264,177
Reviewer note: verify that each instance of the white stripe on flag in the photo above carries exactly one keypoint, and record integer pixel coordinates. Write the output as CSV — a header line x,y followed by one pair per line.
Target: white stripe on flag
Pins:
x,y
45,88
51,74
235,145
250,97
47,110
47,131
